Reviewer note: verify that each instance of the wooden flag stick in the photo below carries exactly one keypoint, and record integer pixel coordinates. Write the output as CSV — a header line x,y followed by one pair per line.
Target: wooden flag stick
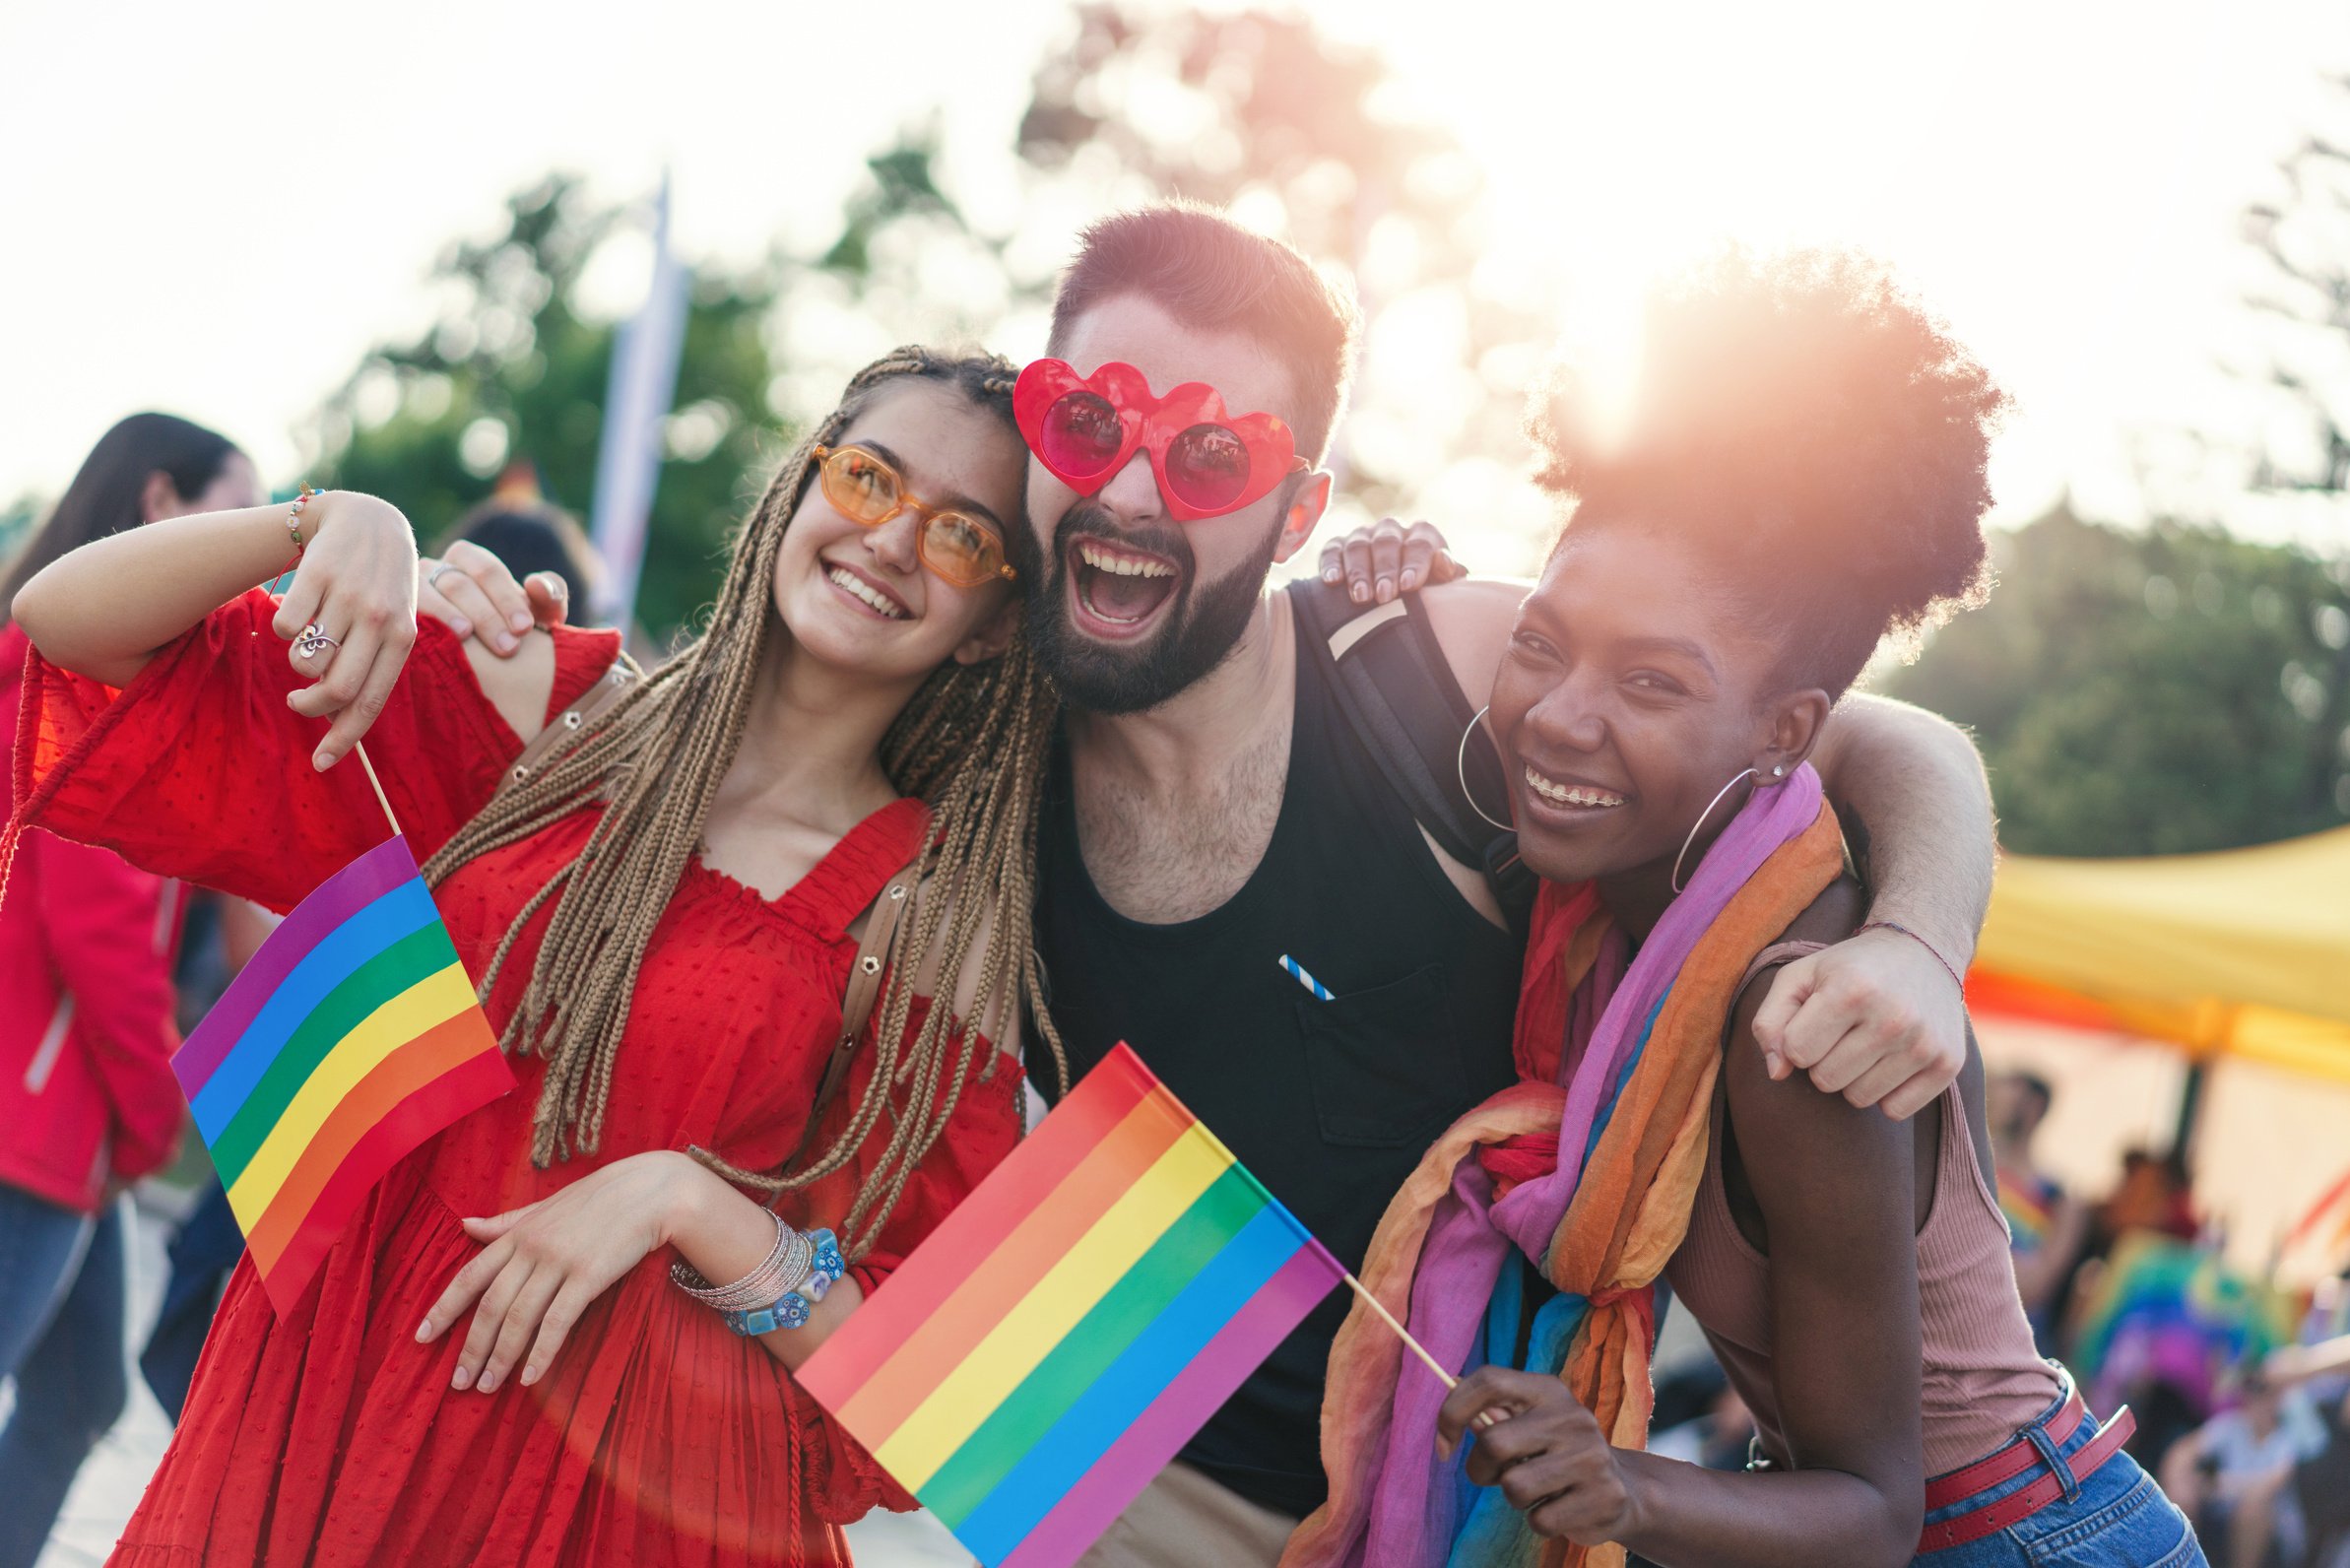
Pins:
x,y
1404,1333
383,801
1483,1419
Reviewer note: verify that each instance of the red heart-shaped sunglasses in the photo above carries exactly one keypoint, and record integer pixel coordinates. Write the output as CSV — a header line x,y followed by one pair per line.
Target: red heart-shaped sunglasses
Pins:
x,y
1085,428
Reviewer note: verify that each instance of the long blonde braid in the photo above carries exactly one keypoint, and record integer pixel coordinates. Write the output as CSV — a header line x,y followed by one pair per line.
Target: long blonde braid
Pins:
x,y
972,741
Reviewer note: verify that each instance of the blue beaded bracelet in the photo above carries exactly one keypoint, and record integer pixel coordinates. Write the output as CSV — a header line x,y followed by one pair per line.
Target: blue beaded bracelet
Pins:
x,y
792,1311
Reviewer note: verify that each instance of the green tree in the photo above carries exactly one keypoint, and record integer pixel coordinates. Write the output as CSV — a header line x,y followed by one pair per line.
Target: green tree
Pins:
x,y
515,371
2146,693
512,371
2302,243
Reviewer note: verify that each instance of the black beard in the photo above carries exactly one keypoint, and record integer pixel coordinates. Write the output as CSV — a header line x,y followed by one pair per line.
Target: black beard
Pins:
x,y
1204,624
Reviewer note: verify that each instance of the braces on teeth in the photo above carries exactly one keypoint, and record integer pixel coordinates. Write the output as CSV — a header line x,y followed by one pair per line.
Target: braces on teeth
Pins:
x,y
1569,794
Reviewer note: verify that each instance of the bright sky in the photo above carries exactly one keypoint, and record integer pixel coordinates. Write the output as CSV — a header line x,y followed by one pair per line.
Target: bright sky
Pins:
x,y
217,209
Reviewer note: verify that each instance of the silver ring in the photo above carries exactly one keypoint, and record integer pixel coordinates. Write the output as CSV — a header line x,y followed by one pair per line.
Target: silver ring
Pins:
x,y
313,642
433,581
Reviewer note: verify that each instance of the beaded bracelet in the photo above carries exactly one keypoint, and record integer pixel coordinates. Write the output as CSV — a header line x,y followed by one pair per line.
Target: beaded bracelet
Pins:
x,y
797,1305
789,1263
294,522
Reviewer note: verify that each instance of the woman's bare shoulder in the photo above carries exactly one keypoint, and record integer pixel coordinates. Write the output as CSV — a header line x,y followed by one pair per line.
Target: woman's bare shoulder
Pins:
x,y
1840,910
519,684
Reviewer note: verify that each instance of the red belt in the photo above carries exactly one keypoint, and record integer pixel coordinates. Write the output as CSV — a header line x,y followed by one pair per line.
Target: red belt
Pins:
x,y
2012,1461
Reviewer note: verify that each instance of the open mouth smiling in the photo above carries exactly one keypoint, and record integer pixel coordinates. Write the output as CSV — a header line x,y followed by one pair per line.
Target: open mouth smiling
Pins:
x,y
1118,587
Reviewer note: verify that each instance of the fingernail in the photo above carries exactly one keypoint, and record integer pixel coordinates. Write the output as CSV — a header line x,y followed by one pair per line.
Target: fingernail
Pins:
x,y
1358,593
424,1331
321,761
488,1382
530,1375
1330,574
463,628
1387,589
460,1379
505,644
1410,578
520,621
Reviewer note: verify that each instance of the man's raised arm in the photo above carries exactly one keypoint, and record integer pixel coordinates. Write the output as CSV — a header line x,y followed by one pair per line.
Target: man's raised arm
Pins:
x,y
1881,1019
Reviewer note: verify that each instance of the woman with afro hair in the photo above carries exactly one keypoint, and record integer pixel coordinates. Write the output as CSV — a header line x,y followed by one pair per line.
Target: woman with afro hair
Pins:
x,y
1801,476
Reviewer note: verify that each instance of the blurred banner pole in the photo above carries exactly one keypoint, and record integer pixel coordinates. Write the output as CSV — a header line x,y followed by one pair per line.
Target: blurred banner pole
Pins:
x,y
644,379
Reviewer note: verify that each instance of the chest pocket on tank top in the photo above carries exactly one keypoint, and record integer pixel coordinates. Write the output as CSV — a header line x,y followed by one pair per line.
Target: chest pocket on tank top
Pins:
x,y
1384,1068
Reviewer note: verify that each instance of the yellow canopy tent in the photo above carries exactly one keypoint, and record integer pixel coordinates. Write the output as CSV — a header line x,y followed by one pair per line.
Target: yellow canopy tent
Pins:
x,y
2245,953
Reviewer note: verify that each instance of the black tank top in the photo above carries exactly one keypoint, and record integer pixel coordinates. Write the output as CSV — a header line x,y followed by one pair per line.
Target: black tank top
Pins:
x,y
1330,1103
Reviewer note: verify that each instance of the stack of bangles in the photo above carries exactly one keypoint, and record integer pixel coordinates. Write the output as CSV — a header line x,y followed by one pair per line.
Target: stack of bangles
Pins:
x,y
779,1293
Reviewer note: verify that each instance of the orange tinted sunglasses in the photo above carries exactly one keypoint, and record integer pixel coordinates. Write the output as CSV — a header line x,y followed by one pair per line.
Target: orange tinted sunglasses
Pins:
x,y
863,487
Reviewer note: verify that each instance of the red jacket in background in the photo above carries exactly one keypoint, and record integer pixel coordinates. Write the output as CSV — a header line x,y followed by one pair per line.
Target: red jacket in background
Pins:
x,y
86,1004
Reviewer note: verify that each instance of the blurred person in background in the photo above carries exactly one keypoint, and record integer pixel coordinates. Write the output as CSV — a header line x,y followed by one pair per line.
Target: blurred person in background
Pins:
x,y
2046,1226
86,1028
2134,1333
2233,1475
2154,1194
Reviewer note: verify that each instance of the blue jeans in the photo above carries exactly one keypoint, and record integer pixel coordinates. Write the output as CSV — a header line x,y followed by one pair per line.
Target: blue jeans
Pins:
x,y
203,1252
2116,1519
62,1284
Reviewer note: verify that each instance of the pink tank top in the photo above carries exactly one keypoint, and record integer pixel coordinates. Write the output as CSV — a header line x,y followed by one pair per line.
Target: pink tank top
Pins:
x,y
1983,1381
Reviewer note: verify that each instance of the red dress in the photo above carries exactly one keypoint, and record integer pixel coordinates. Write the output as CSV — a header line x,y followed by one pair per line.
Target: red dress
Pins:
x,y
657,1437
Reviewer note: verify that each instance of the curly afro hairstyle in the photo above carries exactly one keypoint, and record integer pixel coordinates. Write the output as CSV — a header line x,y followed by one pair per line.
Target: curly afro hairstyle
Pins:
x,y
1815,432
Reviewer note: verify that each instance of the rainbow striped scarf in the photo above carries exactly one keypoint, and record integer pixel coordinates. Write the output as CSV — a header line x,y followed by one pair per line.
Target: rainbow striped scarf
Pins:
x,y
1629,1122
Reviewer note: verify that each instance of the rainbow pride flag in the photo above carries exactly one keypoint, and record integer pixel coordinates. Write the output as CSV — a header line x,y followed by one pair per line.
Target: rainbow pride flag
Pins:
x,y
2031,1210
1072,1323
351,1037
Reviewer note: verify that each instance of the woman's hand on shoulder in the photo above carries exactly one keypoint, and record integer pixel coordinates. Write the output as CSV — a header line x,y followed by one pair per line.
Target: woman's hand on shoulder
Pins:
x,y
543,1263
349,615
1386,559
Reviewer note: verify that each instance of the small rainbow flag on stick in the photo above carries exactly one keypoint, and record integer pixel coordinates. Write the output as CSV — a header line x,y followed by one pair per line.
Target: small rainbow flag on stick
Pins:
x,y
351,1037
1072,1323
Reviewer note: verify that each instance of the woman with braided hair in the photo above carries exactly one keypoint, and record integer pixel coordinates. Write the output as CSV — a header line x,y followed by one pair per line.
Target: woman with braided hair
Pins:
x,y
661,913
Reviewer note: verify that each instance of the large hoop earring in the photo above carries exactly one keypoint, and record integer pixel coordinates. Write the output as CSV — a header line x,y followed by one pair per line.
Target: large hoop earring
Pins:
x,y
1700,824
1461,767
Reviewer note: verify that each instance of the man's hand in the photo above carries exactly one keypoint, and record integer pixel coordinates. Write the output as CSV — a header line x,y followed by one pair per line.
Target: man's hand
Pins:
x,y
471,592
1874,1019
